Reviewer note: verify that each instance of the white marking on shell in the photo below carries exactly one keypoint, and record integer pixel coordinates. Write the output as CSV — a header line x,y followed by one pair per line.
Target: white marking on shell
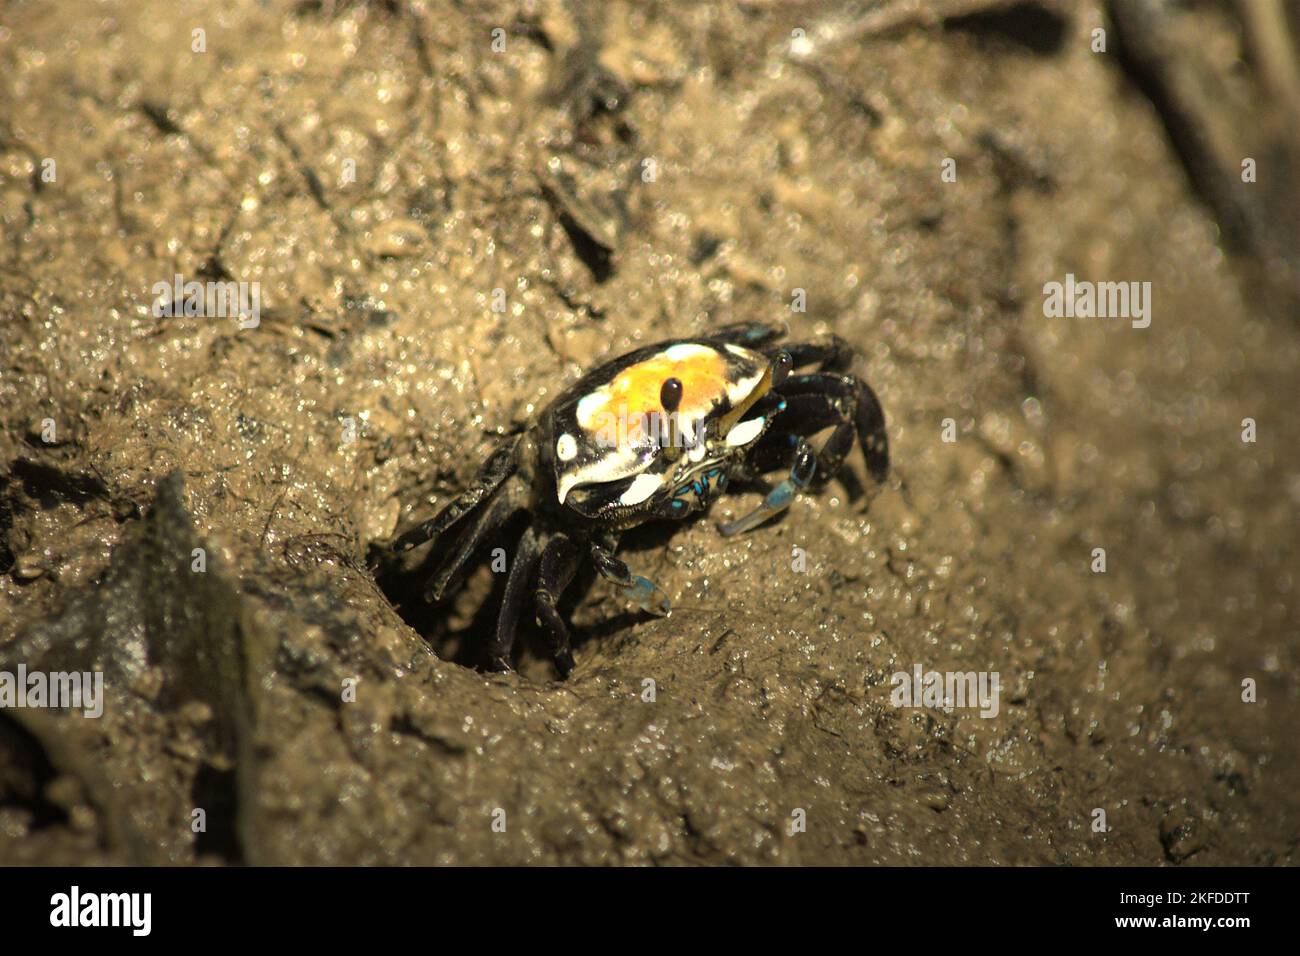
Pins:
x,y
590,405
566,447
742,433
566,485
685,351
740,389
641,488
614,464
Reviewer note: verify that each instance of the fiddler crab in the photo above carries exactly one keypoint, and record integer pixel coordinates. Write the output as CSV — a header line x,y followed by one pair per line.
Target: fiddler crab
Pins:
x,y
656,433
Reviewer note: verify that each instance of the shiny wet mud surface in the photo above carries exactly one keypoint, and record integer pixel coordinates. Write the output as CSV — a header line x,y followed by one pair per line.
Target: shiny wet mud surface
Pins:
x,y
626,173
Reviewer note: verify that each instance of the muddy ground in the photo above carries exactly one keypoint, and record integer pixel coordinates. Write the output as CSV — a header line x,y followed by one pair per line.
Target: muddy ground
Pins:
x,y
626,172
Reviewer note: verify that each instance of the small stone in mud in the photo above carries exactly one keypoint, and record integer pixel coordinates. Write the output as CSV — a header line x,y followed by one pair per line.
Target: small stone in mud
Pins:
x,y
937,800
1181,836
28,567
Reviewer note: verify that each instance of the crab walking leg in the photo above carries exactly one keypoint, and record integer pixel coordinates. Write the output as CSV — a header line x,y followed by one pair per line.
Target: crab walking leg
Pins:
x,y
497,513
642,592
495,470
556,568
503,641
779,498
749,334
858,405
807,415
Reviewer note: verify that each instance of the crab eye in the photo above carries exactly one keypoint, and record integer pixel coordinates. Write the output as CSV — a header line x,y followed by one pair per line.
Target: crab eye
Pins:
x,y
670,397
670,394
781,367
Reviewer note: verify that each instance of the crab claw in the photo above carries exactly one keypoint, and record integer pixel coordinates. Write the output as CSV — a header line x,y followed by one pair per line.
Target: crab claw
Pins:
x,y
779,498
647,595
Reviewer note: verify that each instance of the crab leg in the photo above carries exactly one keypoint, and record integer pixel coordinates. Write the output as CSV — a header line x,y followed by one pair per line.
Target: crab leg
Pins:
x,y
497,513
642,592
861,408
751,334
812,413
779,498
556,568
503,641
495,470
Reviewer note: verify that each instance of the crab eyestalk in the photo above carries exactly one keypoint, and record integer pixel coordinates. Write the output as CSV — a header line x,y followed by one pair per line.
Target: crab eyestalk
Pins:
x,y
774,375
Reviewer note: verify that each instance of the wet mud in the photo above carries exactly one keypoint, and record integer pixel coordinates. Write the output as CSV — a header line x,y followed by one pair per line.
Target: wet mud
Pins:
x,y
389,174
